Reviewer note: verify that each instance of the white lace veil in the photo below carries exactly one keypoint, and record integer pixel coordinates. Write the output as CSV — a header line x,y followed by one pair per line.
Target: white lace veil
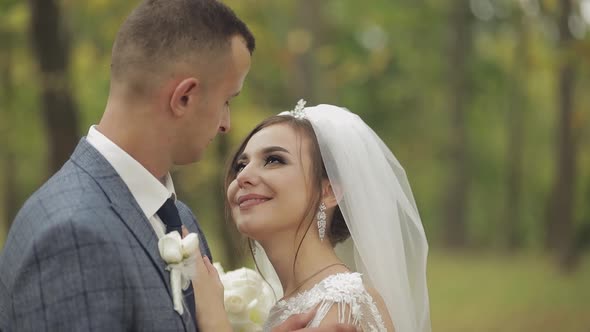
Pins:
x,y
389,244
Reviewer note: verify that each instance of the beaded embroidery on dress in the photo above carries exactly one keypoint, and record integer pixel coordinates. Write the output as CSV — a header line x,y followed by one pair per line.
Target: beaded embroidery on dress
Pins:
x,y
345,290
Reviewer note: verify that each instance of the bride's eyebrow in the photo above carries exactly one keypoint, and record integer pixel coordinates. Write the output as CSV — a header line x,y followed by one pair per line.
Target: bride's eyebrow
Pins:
x,y
242,157
265,151
272,149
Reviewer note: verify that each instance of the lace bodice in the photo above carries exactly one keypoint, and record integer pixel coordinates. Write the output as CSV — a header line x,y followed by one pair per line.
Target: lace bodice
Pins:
x,y
345,290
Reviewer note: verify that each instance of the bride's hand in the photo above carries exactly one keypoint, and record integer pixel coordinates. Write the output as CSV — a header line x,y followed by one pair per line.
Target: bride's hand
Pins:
x,y
208,293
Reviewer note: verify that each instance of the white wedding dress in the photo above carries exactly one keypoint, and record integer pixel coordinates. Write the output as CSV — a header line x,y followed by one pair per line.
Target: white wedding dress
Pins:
x,y
343,290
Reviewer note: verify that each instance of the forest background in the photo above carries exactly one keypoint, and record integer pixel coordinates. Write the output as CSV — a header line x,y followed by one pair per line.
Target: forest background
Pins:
x,y
484,102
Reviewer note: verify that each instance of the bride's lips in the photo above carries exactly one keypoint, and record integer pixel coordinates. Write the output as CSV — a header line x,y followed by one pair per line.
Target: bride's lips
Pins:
x,y
249,200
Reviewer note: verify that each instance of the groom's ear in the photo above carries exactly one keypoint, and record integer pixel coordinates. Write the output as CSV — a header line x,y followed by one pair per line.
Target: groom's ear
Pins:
x,y
184,95
329,196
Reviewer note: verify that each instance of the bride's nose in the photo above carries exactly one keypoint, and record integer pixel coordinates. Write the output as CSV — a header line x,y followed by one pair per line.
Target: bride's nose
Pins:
x,y
248,176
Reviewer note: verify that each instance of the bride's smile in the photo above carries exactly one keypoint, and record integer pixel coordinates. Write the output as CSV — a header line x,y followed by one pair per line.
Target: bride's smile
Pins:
x,y
249,200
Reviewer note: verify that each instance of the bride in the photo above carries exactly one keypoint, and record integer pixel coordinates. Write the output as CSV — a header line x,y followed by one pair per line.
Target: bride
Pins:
x,y
300,185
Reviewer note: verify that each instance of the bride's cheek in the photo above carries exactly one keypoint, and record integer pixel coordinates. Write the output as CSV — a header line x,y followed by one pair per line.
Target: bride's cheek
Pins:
x,y
230,193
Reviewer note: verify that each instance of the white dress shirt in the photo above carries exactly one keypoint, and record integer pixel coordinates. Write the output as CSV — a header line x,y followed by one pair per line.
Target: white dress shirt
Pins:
x,y
147,190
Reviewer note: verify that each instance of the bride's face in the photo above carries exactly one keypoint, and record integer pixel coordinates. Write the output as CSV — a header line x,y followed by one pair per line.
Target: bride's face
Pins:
x,y
270,193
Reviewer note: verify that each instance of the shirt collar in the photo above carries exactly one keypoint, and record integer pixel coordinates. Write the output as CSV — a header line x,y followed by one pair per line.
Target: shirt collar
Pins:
x,y
147,190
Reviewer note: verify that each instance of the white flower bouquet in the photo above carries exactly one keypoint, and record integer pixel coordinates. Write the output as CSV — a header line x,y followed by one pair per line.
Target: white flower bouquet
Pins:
x,y
247,297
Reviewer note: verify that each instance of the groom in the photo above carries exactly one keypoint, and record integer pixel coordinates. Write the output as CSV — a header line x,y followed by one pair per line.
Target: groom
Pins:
x,y
82,252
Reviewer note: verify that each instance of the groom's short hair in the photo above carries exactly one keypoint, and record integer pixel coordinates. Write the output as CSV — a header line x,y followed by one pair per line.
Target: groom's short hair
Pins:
x,y
161,32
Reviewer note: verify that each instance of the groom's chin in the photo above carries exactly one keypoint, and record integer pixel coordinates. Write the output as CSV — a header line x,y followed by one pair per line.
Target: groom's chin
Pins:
x,y
187,157
188,160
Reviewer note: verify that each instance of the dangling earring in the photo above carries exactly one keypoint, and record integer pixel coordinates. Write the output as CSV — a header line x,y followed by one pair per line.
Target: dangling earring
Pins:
x,y
253,247
322,221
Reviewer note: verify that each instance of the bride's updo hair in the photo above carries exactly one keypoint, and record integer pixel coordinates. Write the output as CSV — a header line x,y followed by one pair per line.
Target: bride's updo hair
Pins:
x,y
336,230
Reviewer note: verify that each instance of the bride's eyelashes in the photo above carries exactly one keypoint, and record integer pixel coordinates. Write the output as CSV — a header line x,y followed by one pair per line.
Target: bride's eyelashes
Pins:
x,y
268,160
274,159
239,166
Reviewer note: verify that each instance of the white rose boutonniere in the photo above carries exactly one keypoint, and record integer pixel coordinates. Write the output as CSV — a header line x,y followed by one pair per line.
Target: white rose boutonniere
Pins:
x,y
247,297
180,255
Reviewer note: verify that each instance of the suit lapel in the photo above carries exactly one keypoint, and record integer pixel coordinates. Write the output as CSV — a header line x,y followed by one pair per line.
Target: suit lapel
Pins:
x,y
126,207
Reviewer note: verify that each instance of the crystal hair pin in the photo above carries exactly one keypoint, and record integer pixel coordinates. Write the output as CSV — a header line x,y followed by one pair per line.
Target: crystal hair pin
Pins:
x,y
298,111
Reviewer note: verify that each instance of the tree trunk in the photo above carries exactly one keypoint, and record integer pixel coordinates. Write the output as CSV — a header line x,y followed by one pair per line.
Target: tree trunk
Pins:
x,y
11,197
305,82
457,196
10,189
515,121
560,216
51,49
582,234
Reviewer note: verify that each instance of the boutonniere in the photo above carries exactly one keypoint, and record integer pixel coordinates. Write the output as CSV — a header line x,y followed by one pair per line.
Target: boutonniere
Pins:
x,y
180,256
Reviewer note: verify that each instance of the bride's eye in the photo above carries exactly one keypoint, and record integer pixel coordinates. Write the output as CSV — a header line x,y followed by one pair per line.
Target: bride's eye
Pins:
x,y
272,159
238,167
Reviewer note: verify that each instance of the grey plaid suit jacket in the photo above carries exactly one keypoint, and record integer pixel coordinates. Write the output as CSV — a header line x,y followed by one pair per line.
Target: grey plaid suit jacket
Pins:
x,y
81,256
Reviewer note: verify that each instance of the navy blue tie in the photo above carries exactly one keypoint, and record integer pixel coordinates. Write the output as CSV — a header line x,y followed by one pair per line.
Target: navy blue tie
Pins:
x,y
168,213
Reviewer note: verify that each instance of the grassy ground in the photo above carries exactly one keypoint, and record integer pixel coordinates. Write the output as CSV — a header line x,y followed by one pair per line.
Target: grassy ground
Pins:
x,y
489,293
521,293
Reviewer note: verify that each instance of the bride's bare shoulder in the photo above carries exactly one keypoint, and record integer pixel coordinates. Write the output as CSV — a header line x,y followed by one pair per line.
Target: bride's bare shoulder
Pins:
x,y
381,307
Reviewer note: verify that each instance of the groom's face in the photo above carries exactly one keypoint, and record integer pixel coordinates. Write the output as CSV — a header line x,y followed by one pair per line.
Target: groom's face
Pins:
x,y
271,191
209,113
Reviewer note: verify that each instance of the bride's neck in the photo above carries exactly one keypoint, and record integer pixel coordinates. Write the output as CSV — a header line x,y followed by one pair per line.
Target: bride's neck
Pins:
x,y
312,257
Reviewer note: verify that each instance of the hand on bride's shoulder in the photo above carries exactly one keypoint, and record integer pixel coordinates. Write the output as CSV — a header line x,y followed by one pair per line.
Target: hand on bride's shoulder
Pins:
x,y
298,323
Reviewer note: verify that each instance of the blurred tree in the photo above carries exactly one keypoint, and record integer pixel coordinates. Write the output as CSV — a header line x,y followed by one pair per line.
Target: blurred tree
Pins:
x,y
516,132
302,42
560,216
52,50
457,196
582,236
7,155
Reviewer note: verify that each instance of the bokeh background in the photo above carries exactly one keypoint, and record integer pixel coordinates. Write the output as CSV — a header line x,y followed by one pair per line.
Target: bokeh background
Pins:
x,y
485,102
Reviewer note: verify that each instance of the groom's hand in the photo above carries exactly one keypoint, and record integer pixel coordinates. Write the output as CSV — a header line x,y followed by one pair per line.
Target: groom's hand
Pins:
x,y
299,322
